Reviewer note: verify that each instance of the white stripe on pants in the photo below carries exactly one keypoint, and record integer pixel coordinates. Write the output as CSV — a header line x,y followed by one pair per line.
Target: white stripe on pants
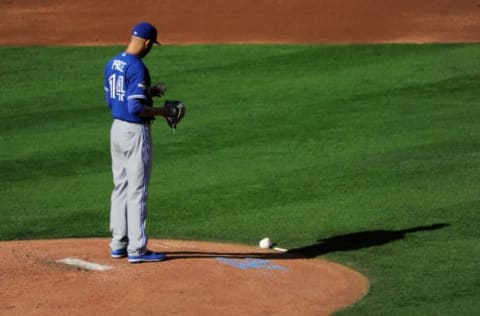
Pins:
x,y
131,149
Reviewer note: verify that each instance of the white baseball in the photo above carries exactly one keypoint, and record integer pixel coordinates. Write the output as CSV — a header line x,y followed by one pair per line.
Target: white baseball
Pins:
x,y
265,243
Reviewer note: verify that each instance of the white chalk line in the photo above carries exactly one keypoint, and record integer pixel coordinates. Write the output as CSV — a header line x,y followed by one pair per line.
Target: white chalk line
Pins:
x,y
87,265
175,246
188,246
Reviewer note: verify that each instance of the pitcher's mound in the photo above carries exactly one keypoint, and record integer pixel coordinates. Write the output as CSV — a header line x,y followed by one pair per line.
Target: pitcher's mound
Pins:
x,y
78,277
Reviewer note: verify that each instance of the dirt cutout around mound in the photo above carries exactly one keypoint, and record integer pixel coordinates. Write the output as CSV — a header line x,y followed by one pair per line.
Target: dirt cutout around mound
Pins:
x,y
199,278
89,22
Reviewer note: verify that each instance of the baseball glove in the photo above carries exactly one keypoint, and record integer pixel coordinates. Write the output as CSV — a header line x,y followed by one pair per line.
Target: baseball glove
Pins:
x,y
175,112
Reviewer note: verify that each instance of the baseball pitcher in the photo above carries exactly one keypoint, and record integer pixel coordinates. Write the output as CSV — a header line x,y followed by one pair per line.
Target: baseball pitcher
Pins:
x,y
129,94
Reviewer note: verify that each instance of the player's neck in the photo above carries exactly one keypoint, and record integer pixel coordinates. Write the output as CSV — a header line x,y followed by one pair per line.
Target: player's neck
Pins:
x,y
136,47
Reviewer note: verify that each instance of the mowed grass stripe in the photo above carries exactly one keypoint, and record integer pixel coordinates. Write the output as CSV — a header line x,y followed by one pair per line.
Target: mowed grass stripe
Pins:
x,y
301,143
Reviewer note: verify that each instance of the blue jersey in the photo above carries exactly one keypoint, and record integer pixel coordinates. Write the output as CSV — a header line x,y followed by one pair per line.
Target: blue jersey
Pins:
x,y
126,82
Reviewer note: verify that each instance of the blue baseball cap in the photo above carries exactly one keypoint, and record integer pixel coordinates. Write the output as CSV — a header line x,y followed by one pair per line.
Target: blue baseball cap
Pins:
x,y
145,30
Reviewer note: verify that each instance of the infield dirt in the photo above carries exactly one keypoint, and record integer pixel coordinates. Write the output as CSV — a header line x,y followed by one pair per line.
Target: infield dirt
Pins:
x,y
68,22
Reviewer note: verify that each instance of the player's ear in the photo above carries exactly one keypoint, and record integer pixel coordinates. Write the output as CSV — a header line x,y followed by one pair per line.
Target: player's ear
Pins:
x,y
148,43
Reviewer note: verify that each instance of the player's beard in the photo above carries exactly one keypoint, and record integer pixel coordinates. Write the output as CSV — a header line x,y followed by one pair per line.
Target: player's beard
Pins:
x,y
146,51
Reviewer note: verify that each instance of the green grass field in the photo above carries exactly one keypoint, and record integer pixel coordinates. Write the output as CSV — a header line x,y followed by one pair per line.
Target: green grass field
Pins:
x,y
367,155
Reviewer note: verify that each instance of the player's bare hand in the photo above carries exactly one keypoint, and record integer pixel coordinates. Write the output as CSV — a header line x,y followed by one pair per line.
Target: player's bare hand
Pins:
x,y
158,90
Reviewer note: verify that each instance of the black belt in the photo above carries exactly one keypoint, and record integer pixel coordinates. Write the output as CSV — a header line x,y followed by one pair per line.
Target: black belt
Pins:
x,y
149,122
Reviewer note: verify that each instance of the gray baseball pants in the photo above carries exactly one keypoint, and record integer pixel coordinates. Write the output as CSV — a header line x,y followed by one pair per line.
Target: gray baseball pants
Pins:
x,y
131,150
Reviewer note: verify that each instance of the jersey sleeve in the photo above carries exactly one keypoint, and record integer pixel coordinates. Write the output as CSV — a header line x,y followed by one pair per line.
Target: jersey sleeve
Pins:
x,y
137,93
139,81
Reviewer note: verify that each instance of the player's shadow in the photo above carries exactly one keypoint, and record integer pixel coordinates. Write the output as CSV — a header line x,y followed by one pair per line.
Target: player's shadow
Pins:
x,y
347,242
357,241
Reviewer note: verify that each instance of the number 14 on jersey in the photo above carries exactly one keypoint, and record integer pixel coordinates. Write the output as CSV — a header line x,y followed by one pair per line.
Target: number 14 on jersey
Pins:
x,y
117,86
